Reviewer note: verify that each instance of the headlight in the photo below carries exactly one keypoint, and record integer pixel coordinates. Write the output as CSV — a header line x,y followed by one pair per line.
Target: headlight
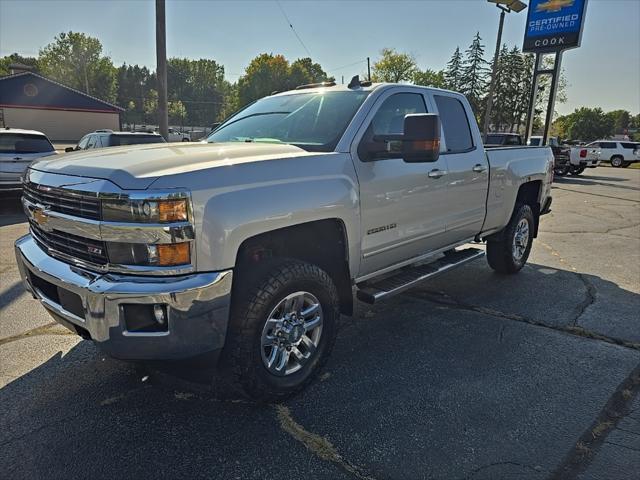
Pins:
x,y
145,211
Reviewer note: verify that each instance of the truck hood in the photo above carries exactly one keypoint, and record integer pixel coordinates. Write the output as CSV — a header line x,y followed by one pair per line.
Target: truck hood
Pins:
x,y
136,167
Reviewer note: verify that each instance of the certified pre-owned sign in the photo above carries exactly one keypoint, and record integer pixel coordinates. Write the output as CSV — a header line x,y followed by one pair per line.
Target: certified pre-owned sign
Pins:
x,y
554,25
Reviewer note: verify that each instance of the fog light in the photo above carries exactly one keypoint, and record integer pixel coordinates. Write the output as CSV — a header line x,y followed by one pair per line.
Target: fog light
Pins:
x,y
158,312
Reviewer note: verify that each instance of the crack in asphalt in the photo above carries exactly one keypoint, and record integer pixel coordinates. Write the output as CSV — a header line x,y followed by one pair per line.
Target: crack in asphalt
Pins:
x,y
316,444
603,232
618,406
445,300
598,195
590,289
47,329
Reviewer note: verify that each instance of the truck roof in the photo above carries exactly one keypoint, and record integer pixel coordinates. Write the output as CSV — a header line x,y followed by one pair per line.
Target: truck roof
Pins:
x,y
345,88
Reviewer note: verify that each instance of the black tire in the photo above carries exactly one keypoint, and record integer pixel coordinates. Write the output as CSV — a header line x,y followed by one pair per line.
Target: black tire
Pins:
x,y
255,296
185,139
500,250
576,170
617,161
625,164
561,171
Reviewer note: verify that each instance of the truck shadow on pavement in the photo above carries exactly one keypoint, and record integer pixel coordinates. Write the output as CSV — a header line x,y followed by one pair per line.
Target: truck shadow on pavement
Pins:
x,y
472,375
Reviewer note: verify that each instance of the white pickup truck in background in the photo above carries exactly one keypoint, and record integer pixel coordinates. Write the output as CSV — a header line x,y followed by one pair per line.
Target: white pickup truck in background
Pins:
x,y
251,245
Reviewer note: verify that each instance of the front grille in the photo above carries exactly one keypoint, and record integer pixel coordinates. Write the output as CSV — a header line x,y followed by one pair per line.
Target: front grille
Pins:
x,y
63,201
93,251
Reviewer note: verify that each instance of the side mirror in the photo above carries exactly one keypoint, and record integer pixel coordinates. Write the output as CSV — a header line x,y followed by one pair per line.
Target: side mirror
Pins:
x,y
420,141
69,149
421,138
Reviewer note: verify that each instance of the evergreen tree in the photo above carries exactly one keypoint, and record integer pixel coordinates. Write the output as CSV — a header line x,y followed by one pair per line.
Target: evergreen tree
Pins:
x,y
474,74
453,72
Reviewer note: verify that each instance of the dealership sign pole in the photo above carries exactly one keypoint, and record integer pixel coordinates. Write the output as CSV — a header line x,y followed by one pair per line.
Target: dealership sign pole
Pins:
x,y
552,27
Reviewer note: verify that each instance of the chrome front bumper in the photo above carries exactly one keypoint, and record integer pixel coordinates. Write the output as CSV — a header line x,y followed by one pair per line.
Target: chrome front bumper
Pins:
x,y
197,306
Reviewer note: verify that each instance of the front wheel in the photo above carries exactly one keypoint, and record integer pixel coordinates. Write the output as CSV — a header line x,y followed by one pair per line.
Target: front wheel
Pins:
x,y
617,161
577,170
282,329
509,252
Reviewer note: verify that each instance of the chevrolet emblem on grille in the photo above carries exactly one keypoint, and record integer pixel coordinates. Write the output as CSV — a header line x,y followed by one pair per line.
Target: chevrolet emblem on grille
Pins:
x,y
41,217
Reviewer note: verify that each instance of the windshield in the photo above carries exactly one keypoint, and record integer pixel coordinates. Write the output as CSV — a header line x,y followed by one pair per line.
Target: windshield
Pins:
x,y
312,121
24,143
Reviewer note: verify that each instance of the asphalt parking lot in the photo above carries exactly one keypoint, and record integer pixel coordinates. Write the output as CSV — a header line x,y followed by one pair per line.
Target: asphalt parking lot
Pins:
x,y
472,376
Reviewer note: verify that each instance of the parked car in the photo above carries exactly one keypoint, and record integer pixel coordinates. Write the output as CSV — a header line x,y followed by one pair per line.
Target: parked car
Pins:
x,y
177,136
18,148
561,154
251,246
582,158
502,140
109,138
619,153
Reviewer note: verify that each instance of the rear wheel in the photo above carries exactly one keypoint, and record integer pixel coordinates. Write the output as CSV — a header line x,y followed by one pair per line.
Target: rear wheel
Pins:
x,y
577,170
561,171
282,329
617,161
509,252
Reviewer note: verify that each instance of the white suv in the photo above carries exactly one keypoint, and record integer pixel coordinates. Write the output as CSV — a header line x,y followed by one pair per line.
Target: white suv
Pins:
x,y
18,148
620,154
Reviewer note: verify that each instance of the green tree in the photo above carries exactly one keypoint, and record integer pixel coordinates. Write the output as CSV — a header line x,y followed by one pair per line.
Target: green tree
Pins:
x,y
393,67
75,59
473,82
134,83
621,120
177,112
17,59
265,74
151,106
588,124
453,72
430,78
303,71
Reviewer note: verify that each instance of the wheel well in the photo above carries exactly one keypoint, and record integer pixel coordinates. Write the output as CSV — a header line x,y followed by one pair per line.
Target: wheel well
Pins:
x,y
323,243
529,194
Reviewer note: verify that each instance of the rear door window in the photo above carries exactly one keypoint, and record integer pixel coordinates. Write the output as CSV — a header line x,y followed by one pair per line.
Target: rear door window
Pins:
x,y
455,124
628,145
24,143
135,139
512,140
608,145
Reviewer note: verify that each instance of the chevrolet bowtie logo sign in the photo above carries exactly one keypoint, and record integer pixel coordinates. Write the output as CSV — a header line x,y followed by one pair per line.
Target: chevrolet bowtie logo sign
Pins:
x,y
553,6
41,217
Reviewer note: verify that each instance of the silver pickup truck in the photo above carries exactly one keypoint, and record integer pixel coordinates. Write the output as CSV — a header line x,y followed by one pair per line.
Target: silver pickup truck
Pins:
x,y
252,244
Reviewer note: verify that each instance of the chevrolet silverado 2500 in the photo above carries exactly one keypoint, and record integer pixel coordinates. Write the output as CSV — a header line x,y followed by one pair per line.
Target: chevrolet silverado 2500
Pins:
x,y
252,244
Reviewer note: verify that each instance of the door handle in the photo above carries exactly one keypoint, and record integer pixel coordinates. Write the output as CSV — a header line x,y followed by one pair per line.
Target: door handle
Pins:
x,y
436,173
17,158
479,168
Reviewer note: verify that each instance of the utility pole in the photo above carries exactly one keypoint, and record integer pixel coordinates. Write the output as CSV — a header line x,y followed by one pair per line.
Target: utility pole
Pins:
x,y
161,71
494,73
368,69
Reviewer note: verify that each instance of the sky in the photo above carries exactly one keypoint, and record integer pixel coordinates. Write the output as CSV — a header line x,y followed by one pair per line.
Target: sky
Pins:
x,y
604,71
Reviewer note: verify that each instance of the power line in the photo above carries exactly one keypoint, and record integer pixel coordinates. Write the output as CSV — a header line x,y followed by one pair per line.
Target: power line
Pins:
x,y
293,29
347,65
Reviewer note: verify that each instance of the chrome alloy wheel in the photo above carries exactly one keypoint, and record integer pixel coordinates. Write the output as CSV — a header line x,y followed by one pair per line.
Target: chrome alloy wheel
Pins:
x,y
291,334
520,239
